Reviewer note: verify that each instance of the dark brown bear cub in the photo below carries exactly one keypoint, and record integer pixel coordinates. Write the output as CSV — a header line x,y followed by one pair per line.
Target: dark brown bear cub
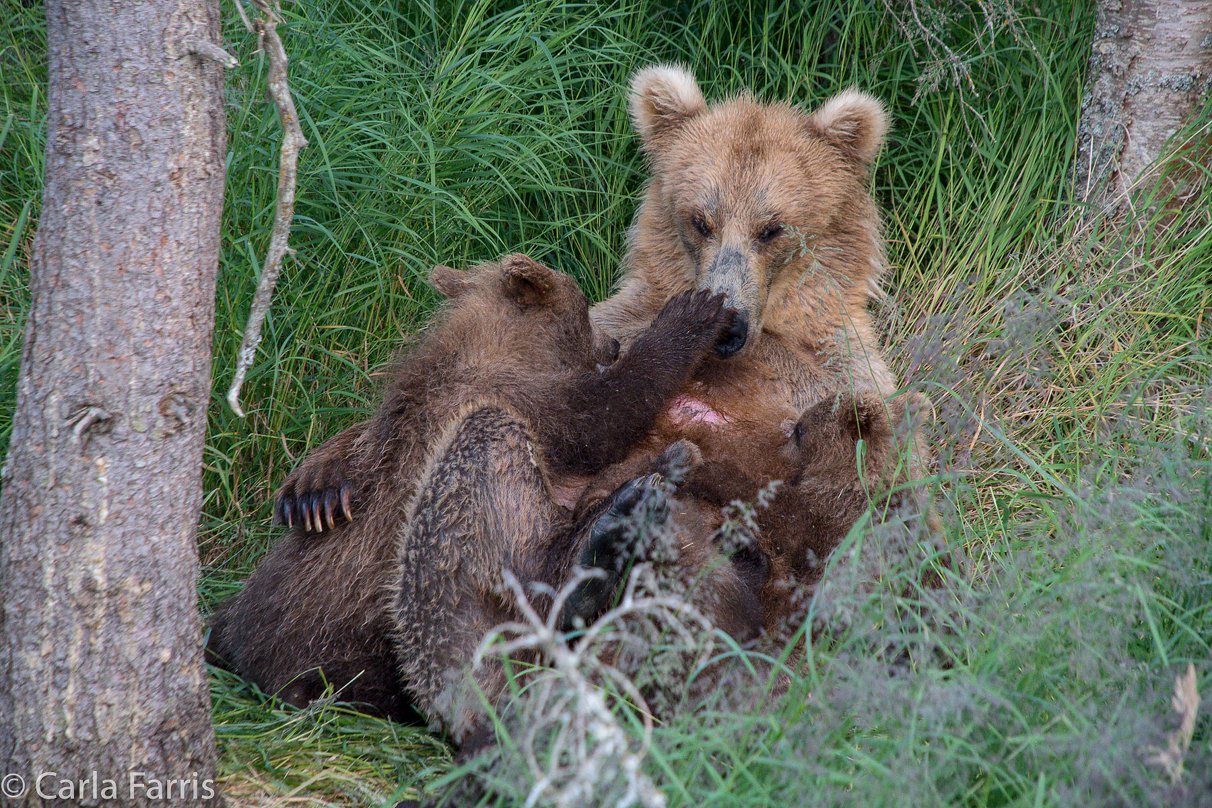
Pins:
x,y
516,336
834,462
838,459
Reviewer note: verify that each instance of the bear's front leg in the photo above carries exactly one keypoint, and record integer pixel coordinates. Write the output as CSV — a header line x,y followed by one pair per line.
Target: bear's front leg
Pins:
x,y
483,504
605,415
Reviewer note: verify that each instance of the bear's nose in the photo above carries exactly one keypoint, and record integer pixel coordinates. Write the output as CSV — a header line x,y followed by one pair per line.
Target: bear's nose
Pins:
x,y
734,338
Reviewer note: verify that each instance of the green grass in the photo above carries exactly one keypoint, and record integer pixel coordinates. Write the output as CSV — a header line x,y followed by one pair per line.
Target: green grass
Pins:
x,y
1068,362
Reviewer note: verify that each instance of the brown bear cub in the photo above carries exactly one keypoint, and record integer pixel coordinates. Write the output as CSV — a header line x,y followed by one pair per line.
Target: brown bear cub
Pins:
x,y
833,464
516,337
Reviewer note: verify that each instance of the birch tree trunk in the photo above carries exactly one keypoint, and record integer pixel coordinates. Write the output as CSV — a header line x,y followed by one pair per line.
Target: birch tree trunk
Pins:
x,y
1150,74
103,699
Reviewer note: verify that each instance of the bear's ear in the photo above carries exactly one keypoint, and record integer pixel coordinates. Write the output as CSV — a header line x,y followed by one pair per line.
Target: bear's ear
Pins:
x,y
449,281
853,121
862,414
527,281
663,97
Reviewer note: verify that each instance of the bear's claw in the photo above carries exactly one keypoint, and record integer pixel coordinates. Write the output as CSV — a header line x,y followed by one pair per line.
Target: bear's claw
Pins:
x,y
316,511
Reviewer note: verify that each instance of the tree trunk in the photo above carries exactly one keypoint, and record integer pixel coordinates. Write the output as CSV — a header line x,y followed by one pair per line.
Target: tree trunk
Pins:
x,y
1150,74
102,694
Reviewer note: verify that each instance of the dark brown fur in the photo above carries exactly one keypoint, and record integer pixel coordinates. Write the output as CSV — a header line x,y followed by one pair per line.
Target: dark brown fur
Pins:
x,y
318,609
750,584
483,506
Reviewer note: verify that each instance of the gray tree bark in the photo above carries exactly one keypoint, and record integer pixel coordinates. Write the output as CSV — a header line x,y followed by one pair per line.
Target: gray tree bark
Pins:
x,y
103,699
1150,75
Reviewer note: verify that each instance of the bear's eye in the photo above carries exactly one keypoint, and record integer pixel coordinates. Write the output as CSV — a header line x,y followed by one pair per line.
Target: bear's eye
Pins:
x,y
797,433
700,224
770,232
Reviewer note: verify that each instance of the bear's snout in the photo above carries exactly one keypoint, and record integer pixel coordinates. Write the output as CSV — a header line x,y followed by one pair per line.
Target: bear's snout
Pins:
x,y
730,273
734,338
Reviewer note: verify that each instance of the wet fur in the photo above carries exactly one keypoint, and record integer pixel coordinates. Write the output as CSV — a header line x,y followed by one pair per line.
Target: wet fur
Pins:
x,y
319,607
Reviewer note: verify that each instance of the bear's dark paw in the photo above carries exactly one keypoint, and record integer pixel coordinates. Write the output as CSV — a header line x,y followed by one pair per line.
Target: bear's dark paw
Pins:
x,y
699,318
612,545
614,536
591,597
323,490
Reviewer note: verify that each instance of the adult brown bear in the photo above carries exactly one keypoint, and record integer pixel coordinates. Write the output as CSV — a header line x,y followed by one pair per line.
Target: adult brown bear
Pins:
x,y
770,206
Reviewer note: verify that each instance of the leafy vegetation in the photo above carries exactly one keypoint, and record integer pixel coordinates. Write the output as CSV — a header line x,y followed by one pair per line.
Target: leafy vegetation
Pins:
x,y
1067,355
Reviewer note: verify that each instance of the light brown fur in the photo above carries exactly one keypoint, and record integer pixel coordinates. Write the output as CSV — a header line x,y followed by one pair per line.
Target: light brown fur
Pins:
x,y
770,206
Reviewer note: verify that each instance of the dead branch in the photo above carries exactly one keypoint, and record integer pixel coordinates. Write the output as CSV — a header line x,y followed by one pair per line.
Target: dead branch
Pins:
x,y
209,50
266,29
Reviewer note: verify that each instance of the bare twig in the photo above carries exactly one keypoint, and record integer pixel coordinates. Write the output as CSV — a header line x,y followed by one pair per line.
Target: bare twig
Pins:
x,y
209,50
266,28
244,16
574,747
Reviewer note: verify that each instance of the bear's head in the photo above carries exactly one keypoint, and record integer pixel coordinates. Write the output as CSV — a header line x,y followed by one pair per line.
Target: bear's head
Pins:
x,y
851,437
760,201
522,307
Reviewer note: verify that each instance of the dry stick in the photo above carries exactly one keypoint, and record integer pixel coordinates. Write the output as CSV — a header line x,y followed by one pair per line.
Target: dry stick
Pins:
x,y
266,28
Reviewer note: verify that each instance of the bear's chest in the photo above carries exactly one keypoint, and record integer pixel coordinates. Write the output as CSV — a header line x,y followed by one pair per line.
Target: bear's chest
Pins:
x,y
772,382
742,408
